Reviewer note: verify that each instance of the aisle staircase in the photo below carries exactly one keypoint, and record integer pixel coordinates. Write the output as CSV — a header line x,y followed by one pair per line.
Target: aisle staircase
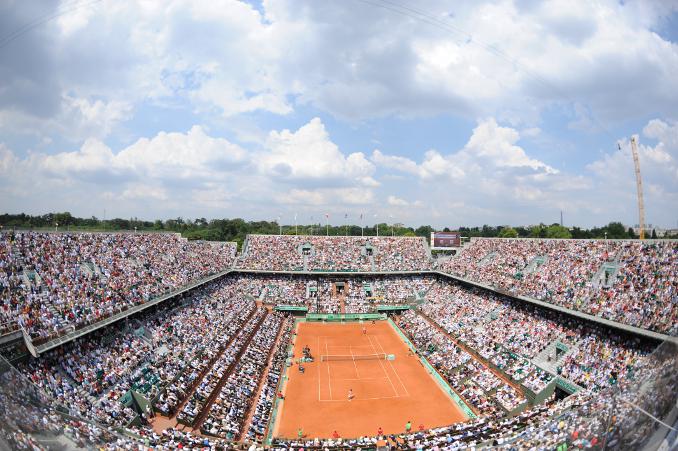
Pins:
x,y
487,259
542,359
207,406
535,263
606,274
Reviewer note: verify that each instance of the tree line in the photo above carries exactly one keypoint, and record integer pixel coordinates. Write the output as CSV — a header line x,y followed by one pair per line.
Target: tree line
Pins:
x,y
237,229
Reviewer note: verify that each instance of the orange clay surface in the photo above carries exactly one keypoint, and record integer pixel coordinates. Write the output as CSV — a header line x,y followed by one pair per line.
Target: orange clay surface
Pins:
x,y
387,393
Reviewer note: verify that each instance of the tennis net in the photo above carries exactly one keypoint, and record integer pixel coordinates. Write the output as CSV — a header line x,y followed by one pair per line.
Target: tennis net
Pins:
x,y
349,357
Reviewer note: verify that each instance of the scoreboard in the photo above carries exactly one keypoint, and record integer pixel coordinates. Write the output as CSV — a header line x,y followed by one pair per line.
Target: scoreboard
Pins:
x,y
445,240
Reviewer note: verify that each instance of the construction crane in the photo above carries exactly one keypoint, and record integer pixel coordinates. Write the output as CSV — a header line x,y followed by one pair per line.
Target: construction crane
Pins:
x,y
639,187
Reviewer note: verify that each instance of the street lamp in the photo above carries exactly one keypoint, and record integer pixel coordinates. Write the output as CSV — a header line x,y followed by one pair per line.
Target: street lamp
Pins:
x,y
56,226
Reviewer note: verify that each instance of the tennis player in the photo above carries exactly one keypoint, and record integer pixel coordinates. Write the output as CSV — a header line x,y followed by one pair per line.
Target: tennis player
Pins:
x,y
350,394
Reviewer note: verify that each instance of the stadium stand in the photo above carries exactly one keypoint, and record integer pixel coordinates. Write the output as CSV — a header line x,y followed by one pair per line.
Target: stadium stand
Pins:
x,y
209,363
631,282
349,253
51,282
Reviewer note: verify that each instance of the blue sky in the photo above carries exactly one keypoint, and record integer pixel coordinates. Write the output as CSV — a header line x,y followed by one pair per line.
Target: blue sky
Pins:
x,y
442,113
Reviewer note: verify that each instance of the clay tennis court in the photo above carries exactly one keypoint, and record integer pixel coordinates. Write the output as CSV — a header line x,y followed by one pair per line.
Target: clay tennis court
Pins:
x,y
387,393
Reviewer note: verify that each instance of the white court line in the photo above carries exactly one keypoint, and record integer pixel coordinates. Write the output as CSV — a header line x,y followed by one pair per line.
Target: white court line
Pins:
x,y
318,369
383,369
354,365
391,363
359,379
329,377
359,399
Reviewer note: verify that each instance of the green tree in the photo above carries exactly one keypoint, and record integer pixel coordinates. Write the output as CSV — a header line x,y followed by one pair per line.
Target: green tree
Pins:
x,y
508,232
557,231
538,231
616,230
424,231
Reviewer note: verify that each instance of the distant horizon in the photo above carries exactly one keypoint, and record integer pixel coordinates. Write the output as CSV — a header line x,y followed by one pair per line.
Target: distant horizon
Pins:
x,y
371,224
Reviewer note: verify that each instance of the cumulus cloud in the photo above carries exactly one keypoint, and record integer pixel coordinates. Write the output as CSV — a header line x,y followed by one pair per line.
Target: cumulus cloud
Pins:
x,y
85,120
226,58
167,156
309,156
490,152
193,169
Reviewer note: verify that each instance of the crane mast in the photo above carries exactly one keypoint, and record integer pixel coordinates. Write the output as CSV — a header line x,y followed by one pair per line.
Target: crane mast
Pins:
x,y
639,187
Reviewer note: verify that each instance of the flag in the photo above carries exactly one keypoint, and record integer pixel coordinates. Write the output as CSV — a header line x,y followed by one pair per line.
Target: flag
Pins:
x,y
346,216
361,216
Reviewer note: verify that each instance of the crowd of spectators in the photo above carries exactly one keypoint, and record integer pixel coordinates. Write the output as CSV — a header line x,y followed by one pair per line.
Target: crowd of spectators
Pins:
x,y
201,400
510,334
193,338
54,282
264,407
206,358
231,406
632,282
471,379
334,253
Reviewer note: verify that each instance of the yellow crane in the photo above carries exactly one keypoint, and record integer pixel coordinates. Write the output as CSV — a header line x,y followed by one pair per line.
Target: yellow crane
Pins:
x,y
639,187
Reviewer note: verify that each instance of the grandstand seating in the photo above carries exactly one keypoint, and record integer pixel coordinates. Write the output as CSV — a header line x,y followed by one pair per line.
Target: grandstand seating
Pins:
x,y
349,253
51,282
213,359
631,282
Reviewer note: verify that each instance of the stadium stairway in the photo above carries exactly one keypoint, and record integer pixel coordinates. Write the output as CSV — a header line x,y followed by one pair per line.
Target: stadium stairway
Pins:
x,y
542,359
86,268
262,381
198,380
606,274
486,259
93,400
207,406
535,263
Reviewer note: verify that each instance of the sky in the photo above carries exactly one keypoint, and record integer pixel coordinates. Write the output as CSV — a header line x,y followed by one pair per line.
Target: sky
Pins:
x,y
442,113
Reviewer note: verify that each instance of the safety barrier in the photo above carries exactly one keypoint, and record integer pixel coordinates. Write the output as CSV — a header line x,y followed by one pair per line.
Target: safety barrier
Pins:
x,y
339,317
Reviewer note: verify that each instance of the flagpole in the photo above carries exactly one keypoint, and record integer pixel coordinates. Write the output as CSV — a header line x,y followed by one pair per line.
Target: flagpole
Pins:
x,y
362,232
296,227
327,224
